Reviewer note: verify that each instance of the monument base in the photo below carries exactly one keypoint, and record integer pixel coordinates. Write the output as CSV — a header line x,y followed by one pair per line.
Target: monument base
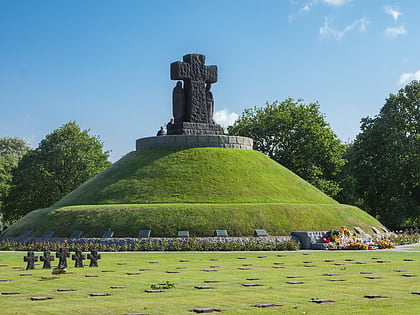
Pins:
x,y
193,128
195,141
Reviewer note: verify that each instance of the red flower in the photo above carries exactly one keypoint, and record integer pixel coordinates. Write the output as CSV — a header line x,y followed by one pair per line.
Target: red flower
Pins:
x,y
326,239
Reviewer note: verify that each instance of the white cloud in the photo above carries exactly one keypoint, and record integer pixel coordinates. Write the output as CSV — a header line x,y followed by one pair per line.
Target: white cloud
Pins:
x,y
394,32
408,77
222,117
327,30
336,2
309,4
393,11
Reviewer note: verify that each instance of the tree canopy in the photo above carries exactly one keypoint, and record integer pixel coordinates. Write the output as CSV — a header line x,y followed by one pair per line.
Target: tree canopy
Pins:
x,y
384,161
65,159
298,137
11,151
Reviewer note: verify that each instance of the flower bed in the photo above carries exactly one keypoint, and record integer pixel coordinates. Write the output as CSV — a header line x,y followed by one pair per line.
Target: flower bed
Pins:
x,y
345,239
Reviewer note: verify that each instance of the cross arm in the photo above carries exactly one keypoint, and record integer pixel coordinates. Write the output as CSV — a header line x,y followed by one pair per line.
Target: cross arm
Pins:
x,y
211,74
180,70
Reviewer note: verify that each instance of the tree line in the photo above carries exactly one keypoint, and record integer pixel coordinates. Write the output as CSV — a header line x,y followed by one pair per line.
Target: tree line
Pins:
x,y
379,171
31,179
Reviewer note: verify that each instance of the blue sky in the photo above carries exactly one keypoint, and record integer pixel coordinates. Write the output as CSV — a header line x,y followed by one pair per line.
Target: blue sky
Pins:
x,y
105,64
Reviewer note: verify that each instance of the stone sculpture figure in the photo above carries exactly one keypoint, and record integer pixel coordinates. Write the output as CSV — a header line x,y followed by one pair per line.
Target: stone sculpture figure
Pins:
x,y
178,102
209,103
197,79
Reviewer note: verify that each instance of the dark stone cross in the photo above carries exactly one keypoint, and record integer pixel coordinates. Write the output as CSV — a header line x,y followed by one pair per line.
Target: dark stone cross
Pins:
x,y
78,258
197,105
62,254
30,259
47,258
94,257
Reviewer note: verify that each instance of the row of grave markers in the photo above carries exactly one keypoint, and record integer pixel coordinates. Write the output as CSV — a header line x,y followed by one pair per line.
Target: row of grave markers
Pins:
x,y
142,234
62,255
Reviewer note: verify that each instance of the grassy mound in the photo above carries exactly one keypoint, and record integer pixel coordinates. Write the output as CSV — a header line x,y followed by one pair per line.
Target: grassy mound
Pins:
x,y
197,189
195,175
199,219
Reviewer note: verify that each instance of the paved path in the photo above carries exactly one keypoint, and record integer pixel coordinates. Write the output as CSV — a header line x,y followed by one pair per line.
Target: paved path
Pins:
x,y
408,248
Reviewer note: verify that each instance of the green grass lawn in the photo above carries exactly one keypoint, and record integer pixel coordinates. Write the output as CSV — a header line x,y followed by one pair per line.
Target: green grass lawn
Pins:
x,y
228,295
201,190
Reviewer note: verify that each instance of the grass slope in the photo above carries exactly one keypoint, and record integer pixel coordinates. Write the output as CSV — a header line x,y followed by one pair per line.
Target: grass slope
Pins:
x,y
196,189
228,295
195,175
199,219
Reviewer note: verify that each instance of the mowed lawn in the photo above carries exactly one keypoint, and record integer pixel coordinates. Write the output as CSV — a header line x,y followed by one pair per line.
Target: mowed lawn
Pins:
x,y
134,272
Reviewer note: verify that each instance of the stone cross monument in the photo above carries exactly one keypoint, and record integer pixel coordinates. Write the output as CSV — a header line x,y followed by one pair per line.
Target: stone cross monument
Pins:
x,y
193,102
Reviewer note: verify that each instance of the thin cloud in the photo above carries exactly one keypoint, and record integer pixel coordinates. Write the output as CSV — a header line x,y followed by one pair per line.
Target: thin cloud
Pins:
x,y
408,77
328,31
394,12
394,32
308,5
224,118
336,3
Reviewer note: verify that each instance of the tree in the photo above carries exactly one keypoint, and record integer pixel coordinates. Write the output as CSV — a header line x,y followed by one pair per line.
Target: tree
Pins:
x,y
11,151
384,160
298,137
64,160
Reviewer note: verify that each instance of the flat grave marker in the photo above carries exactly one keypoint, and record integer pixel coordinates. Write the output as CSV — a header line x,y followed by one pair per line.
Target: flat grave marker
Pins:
x,y
202,287
319,301
206,310
40,298
99,294
10,293
264,305
373,296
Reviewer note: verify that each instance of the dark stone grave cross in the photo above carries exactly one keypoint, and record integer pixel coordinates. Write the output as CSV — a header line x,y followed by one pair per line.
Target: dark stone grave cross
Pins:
x,y
62,255
47,259
94,257
78,258
30,259
193,103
